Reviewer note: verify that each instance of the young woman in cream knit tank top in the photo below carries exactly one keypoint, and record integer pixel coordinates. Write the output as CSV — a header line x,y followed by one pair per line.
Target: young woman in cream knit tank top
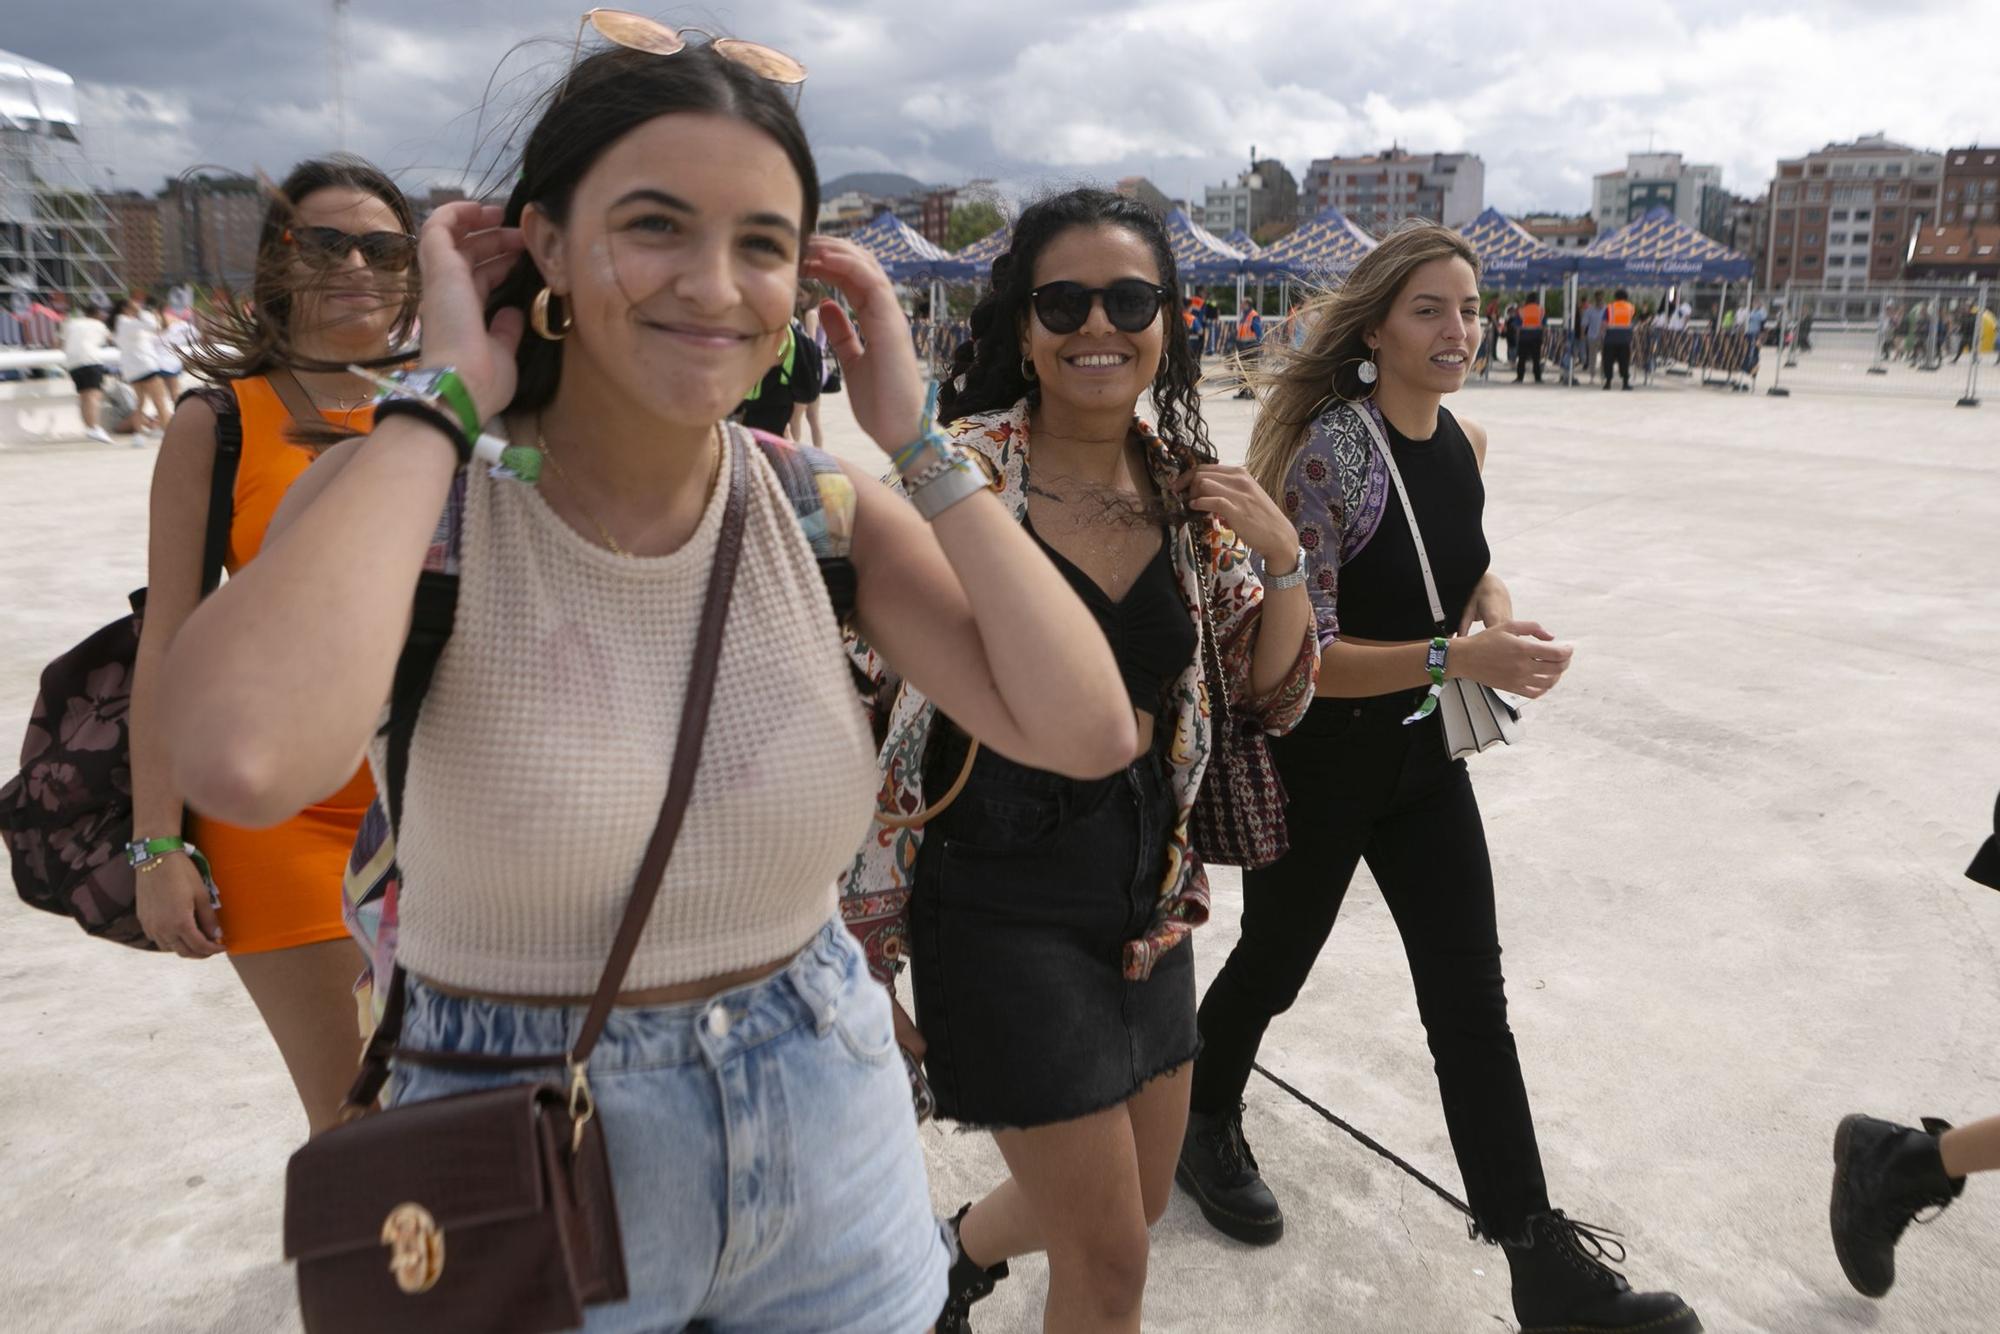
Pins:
x,y
755,1108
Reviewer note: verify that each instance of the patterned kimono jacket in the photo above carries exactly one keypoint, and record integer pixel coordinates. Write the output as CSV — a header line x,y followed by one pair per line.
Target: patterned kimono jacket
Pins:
x,y
875,891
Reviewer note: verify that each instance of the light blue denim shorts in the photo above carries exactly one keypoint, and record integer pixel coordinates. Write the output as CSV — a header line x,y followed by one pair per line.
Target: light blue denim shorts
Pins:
x,y
763,1146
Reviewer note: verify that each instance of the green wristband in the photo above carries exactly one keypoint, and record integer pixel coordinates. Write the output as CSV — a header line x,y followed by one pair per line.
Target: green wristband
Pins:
x,y
140,852
1434,660
456,396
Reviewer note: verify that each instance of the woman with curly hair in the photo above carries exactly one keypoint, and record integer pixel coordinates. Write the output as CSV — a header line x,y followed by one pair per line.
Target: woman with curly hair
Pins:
x,y
1047,917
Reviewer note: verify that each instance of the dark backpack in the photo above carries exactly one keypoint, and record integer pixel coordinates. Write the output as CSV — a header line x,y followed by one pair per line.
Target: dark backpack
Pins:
x,y
823,501
67,816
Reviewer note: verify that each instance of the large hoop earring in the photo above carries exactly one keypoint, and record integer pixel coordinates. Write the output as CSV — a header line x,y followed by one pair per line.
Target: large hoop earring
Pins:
x,y
1028,369
538,317
1365,372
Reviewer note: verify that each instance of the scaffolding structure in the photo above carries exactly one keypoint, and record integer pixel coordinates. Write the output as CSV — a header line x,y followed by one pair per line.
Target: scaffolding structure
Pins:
x,y
55,233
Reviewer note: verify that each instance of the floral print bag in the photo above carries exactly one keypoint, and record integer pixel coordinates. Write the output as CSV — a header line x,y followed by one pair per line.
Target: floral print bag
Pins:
x,y
66,817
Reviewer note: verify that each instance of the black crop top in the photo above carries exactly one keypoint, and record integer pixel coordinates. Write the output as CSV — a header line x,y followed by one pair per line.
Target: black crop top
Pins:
x,y
1381,590
1149,629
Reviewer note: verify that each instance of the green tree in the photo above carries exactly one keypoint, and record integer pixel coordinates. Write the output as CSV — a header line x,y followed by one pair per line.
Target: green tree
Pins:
x,y
973,222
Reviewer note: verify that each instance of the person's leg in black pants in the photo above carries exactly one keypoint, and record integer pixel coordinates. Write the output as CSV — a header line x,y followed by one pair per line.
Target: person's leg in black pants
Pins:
x,y
1429,857
1289,907
1360,783
1334,783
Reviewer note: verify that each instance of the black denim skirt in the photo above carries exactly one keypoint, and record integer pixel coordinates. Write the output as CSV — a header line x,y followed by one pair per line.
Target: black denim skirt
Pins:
x,y
1027,888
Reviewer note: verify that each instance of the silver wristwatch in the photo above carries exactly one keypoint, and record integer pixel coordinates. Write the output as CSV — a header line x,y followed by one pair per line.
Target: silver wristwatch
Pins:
x,y
955,477
1280,582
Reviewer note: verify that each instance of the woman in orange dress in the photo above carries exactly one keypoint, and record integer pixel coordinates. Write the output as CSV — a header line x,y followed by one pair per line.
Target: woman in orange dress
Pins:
x,y
334,287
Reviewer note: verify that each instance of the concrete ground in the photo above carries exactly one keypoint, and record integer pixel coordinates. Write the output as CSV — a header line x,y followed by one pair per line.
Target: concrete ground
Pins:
x,y
1729,859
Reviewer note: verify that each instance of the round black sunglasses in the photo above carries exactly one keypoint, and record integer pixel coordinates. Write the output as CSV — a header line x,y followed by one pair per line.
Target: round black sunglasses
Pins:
x,y
1130,304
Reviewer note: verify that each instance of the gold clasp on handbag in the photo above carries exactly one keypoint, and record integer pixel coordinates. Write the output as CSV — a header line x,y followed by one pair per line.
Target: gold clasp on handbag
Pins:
x,y
416,1247
582,1106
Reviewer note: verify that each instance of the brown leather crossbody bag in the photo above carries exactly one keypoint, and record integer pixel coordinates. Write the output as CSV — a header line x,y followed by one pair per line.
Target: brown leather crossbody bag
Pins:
x,y
490,1211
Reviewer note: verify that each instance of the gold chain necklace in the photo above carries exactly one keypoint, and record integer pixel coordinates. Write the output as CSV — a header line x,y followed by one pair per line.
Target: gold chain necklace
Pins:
x,y
542,444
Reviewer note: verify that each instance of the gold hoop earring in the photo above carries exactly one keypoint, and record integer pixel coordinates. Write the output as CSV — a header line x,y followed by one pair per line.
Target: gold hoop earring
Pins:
x,y
538,317
1367,375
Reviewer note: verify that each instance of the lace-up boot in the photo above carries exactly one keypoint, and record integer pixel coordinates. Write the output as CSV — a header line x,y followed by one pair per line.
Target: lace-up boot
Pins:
x,y
1883,1174
967,1282
1218,1169
1563,1285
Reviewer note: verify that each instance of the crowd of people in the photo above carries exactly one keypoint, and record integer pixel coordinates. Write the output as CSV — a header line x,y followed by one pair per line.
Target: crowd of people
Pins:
x,y
990,722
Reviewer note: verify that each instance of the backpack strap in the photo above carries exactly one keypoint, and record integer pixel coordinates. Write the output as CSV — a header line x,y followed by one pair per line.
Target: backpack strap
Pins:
x,y
433,612
823,500
221,487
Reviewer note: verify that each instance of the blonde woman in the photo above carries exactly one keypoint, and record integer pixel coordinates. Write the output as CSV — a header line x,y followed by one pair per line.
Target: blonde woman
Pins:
x,y
1368,776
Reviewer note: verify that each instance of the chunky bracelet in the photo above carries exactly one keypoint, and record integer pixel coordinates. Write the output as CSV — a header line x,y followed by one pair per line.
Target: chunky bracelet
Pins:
x,y
1278,583
959,479
930,472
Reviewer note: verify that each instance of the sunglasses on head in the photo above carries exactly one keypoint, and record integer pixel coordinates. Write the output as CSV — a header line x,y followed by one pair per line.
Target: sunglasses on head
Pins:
x,y
330,246
636,32
1130,304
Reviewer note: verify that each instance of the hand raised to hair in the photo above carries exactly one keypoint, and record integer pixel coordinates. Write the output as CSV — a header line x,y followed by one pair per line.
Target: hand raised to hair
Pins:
x,y
877,359
462,254
1233,496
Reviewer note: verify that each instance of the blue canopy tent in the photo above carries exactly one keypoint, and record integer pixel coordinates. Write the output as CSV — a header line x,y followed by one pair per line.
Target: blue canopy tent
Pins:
x,y
1511,258
1199,254
1322,250
909,257
1659,250
977,258
904,251
1239,240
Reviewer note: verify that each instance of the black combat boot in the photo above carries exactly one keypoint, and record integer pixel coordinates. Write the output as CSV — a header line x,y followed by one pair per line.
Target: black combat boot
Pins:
x,y
1218,1169
1562,1284
1883,1174
967,1282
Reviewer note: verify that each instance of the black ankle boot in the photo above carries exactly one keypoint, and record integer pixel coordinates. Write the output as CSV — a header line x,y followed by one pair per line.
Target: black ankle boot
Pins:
x,y
1218,1169
1883,1174
1562,1283
967,1282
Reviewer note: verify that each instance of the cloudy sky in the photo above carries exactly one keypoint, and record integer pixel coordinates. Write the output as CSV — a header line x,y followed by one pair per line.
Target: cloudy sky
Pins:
x,y
1035,92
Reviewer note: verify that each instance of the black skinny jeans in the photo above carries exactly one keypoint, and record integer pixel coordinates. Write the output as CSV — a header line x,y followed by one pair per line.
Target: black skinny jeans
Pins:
x,y
1361,784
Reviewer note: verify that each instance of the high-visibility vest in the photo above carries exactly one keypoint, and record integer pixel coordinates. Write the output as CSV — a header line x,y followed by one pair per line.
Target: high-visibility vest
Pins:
x,y
1531,315
1246,326
1620,314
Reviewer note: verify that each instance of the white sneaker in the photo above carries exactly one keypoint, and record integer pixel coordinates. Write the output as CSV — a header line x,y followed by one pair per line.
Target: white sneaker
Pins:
x,y
97,433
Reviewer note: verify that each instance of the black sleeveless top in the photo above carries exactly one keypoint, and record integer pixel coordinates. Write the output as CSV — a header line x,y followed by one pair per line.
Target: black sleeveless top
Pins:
x,y
1149,629
1381,590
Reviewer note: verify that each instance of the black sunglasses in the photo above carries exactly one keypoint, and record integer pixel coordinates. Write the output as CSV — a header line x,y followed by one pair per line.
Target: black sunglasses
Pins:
x,y
328,246
1130,304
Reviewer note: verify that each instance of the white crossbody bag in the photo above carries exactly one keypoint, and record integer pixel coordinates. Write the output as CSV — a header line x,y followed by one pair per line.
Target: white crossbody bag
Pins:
x,y
1475,715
